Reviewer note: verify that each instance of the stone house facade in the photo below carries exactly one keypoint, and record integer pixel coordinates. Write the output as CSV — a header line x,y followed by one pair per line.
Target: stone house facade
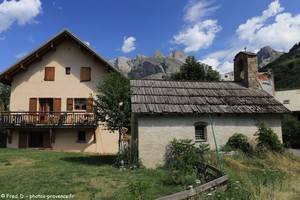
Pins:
x,y
164,110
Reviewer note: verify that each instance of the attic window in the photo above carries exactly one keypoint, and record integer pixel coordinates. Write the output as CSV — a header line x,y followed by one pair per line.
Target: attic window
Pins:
x,y
68,70
85,74
286,101
200,131
49,73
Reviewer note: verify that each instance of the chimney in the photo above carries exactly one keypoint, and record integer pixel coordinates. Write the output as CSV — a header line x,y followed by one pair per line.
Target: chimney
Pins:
x,y
246,69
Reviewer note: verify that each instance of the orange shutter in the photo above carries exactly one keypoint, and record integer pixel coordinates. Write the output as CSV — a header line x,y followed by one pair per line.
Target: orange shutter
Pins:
x,y
85,74
69,104
89,106
49,73
57,106
32,104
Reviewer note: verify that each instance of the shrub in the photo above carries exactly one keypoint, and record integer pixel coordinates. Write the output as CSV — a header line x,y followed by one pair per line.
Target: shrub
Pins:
x,y
239,141
181,159
291,131
267,138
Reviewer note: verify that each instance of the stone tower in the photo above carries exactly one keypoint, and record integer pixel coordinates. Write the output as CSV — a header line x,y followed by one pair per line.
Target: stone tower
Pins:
x,y
246,69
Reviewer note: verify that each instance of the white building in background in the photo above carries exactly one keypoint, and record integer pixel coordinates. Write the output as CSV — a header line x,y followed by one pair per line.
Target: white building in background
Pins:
x,y
227,77
290,99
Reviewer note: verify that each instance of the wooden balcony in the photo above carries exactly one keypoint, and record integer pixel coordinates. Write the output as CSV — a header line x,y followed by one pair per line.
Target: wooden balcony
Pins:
x,y
49,119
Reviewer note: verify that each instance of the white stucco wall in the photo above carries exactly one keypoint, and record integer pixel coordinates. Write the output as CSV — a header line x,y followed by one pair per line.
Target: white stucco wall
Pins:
x,y
155,132
293,96
30,83
66,140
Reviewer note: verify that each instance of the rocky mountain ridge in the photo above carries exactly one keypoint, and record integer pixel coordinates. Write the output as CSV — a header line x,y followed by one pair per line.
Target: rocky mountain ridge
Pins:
x,y
267,55
150,67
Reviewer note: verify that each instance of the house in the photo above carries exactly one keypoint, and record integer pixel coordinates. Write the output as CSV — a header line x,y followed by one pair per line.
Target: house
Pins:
x,y
290,99
51,102
164,110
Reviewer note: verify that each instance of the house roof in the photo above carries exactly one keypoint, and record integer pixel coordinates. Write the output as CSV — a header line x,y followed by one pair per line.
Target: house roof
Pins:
x,y
158,96
6,76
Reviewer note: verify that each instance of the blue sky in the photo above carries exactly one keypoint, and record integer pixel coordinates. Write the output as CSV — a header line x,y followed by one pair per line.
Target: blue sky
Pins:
x,y
212,30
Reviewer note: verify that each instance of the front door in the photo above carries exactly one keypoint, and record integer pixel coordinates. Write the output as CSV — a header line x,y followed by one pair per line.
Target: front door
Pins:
x,y
46,108
23,140
36,140
39,139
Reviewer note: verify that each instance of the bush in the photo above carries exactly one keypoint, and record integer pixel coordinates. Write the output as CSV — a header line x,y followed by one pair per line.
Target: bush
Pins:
x,y
181,159
239,141
267,138
291,131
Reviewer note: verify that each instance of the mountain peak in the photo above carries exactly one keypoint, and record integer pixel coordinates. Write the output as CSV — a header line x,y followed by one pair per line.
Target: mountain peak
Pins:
x,y
266,55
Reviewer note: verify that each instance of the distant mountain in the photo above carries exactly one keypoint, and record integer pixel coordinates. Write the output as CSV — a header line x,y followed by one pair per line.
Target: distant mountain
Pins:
x,y
267,55
150,67
286,69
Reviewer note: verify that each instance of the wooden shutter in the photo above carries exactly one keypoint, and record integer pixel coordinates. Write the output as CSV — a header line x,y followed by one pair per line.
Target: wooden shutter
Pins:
x,y
32,104
49,73
57,106
69,104
85,74
89,105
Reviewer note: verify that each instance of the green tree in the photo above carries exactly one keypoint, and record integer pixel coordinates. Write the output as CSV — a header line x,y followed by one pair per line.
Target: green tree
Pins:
x,y
112,103
195,71
4,106
4,97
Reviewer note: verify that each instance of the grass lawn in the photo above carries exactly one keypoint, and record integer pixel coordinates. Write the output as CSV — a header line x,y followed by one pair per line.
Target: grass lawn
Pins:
x,y
84,175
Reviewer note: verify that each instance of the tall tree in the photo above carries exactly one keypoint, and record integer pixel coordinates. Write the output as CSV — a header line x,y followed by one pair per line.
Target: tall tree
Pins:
x,y
4,106
195,71
4,97
112,103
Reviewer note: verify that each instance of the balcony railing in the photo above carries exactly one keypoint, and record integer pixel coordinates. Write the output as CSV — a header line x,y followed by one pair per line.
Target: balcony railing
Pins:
x,y
47,119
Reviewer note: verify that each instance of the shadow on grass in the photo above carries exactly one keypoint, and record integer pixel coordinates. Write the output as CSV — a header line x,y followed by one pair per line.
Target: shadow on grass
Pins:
x,y
96,160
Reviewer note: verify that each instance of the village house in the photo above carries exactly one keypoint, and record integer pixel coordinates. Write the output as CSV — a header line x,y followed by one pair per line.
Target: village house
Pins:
x,y
164,110
51,102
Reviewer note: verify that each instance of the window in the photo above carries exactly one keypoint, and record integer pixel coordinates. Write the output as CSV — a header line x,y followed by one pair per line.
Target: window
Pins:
x,y
200,131
68,70
85,74
80,104
286,101
81,136
49,73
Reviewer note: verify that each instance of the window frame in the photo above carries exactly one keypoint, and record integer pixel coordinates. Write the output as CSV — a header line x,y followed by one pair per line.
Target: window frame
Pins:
x,y
80,108
203,126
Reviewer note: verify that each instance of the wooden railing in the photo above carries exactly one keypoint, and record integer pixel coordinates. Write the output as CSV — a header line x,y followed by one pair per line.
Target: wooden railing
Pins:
x,y
38,119
213,178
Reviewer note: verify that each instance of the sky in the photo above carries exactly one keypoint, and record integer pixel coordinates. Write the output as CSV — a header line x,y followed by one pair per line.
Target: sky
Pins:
x,y
211,30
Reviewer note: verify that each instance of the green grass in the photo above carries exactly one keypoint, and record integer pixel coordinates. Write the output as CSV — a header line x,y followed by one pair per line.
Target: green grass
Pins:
x,y
84,175
271,176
